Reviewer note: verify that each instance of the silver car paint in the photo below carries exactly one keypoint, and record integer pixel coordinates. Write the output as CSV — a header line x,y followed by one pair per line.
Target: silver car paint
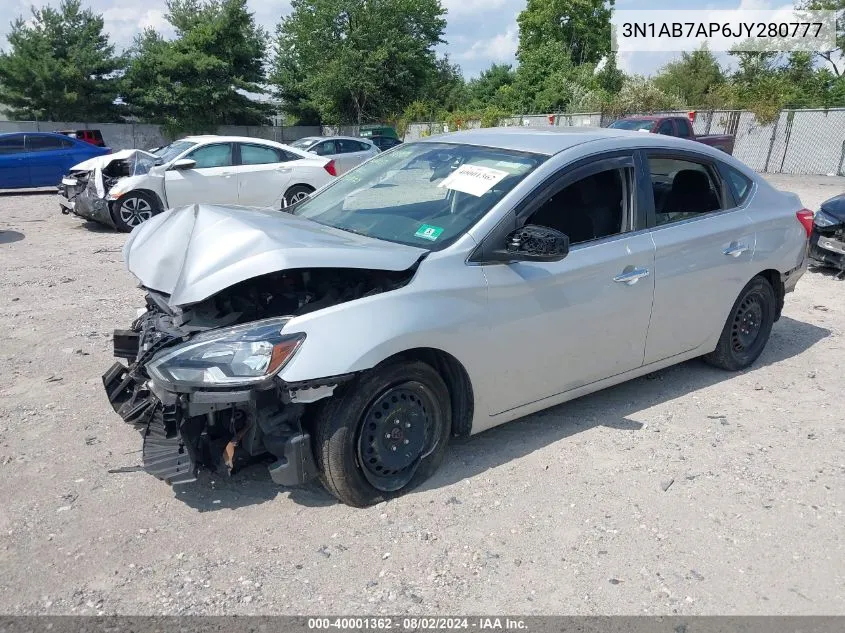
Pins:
x,y
194,252
497,320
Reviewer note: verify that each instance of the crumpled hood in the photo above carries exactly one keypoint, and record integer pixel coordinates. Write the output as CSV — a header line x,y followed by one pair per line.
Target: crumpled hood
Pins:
x,y
194,252
835,207
105,159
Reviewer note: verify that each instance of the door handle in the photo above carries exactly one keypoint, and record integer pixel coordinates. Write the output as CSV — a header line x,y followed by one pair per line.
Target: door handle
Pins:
x,y
283,170
735,249
630,277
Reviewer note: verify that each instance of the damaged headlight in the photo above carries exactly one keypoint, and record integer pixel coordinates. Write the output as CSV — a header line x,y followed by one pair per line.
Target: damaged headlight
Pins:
x,y
228,357
823,219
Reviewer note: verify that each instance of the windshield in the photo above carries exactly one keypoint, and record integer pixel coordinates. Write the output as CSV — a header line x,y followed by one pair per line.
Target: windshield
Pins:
x,y
169,152
420,194
632,124
304,143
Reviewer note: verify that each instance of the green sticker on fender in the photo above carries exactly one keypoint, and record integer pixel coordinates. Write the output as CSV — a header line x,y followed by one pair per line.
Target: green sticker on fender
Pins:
x,y
428,232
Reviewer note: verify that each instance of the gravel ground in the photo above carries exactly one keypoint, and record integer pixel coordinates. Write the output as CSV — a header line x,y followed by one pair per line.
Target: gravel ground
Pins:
x,y
688,491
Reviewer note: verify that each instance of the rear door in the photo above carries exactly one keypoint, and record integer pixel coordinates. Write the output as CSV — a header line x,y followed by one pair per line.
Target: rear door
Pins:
x,y
49,158
355,152
263,174
704,248
213,180
14,167
562,325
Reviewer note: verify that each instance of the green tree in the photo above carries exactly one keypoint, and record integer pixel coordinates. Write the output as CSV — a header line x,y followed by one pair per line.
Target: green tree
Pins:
x,y
484,88
639,94
60,66
356,60
831,56
448,87
581,26
198,81
694,78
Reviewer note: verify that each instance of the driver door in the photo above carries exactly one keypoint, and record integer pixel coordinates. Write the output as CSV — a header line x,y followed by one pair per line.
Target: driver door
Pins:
x,y
562,325
213,180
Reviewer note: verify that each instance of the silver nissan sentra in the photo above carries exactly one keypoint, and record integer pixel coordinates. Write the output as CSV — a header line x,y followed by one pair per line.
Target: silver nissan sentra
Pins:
x,y
439,289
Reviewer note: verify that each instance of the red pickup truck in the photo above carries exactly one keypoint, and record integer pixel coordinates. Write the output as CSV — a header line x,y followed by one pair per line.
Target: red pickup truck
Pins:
x,y
674,126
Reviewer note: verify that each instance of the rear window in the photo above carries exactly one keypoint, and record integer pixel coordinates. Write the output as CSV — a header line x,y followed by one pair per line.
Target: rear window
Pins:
x,y
46,143
632,124
740,183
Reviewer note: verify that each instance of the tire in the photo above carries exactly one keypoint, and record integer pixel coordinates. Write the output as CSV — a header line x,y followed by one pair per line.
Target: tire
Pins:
x,y
384,434
748,327
296,194
133,209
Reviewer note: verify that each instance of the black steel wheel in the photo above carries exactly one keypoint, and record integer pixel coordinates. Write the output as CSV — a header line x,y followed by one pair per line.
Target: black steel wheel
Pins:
x,y
384,433
748,327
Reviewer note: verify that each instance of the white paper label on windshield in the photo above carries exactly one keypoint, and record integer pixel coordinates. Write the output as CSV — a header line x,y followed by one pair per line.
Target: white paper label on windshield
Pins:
x,y
473,179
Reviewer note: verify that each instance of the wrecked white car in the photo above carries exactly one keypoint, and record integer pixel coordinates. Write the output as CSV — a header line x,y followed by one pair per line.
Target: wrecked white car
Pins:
x,y
442,288
129,187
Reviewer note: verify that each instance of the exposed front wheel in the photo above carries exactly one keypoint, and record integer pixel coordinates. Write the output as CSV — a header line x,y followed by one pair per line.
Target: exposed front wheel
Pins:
x,y
133,209
748,327
384,434
295,194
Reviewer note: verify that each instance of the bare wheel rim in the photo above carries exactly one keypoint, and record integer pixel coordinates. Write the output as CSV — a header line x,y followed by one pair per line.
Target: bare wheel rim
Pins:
x,y
747,324
134,211
397,431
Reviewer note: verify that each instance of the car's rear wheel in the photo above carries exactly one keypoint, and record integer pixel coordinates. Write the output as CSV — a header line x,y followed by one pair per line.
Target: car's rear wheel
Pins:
x,y
295,194
384,434
748,327
133,209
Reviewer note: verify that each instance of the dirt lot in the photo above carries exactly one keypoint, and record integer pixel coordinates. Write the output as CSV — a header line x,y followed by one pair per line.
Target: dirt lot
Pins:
x,y
562,512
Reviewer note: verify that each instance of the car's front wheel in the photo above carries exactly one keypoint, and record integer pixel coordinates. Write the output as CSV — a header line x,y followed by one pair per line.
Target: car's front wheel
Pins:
x,y
748,327
295,194
384,433
133,209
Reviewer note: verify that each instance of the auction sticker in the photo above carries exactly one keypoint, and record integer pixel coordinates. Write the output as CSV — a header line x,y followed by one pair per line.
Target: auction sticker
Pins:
x,y
473,179
428,232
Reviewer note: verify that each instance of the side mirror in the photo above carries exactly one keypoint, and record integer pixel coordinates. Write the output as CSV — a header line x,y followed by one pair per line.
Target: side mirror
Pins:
x,y
534,243
184,163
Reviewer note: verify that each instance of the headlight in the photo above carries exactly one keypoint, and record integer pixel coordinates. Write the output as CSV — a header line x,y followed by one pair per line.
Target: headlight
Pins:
x,y
228,357
823,219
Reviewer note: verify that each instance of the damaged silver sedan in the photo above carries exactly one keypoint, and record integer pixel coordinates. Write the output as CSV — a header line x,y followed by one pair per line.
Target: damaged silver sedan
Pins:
x,y
442,288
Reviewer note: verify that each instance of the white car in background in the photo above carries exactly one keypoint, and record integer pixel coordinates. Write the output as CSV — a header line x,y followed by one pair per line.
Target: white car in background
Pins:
x,y
129,187
346,151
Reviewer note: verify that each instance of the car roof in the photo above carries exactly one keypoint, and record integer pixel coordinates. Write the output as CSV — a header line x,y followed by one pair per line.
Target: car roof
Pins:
x,y
332,138
527,139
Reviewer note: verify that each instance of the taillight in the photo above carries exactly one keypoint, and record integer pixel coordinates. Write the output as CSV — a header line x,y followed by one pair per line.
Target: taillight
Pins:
x,y
329,167
805,217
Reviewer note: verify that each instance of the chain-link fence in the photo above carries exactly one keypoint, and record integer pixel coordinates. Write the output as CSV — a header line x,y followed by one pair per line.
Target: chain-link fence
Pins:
x,y
797,142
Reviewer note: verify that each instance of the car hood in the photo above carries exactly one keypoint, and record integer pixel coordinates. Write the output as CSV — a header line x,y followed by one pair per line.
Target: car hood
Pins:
x,y
193,252
835,207
104,160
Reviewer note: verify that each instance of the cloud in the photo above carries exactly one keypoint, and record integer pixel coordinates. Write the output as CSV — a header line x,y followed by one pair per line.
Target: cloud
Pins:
x,y
500,48
124,23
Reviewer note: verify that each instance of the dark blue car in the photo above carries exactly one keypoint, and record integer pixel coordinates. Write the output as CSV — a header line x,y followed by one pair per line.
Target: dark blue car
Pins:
x,y
40,159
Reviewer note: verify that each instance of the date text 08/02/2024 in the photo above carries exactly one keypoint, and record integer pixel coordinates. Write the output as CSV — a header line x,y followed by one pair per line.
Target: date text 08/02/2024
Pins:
x,y
417,623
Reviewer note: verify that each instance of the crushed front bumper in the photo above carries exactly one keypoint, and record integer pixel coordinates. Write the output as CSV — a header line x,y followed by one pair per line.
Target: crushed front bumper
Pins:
x,y
828,249
218,430
82,200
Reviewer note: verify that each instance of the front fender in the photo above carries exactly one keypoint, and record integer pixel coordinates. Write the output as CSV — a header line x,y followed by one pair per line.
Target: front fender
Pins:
x,y
436,310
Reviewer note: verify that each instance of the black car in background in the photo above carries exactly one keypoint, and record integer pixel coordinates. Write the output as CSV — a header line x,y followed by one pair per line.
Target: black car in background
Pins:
x,y
384,142
827,241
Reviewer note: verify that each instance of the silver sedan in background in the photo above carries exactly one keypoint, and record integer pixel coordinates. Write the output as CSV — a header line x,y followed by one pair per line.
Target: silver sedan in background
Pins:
x,y
346,151
445,287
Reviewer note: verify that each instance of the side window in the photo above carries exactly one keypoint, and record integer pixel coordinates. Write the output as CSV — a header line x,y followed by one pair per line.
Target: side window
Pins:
x,y
212,156
666,128
261,155
682,189
325,148
12,145
588,209
45,143
684,129
346,146
741,184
